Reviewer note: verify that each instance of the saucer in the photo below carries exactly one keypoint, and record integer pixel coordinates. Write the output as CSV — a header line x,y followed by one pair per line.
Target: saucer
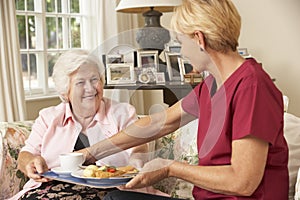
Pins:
x,y
61,172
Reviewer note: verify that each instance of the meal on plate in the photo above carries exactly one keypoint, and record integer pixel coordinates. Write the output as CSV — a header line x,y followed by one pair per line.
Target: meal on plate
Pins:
x,y
107,171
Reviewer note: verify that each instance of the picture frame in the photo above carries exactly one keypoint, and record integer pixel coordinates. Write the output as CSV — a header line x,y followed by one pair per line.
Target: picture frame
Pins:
x,y
173,66
185,66
173,47
113,59
146,75
160,77
243,51
121,54
147,58
120,73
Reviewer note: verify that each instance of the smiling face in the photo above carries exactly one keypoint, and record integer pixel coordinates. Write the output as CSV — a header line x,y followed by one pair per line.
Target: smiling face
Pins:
x,y
86,90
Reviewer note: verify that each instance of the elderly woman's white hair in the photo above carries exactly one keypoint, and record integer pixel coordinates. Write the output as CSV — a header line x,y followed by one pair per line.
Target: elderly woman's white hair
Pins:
x,y
67,64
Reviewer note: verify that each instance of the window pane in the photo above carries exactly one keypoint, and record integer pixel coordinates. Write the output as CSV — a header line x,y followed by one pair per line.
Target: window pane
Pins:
x,y
50,5
60,33
59,6
75,33
25,72
30,5
74,6
51,32
29,73
33,67
52,58
22,31
31,32
33,71
20,5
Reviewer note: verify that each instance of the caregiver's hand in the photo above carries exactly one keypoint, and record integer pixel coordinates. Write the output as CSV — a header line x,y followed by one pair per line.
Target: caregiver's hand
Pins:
x,y
152,172
88,157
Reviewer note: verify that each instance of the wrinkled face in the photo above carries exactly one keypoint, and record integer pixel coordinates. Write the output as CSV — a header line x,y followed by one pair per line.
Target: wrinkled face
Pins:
x,y
190,50
86,90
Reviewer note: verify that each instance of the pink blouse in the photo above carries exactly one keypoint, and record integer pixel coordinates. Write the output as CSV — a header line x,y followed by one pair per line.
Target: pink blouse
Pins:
x,y
55,131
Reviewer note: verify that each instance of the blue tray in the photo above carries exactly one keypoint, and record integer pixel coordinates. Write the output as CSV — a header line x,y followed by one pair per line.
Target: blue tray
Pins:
x,y
83,181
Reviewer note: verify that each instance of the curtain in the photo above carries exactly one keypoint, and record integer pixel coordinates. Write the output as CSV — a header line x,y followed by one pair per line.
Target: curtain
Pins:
x,y
12,101
110,29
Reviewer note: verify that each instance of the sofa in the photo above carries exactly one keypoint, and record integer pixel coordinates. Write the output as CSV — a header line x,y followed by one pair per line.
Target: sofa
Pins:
x,y
13,136
180,145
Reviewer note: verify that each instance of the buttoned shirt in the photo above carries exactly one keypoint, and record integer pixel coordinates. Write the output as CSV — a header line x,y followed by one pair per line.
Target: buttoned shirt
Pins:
x,y
55,131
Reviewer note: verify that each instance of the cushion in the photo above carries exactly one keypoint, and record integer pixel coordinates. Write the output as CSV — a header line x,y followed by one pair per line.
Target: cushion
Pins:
x,y
292,136
180,145
13,136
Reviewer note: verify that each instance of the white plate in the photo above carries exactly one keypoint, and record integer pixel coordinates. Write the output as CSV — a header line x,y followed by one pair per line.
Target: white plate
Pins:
x,y
118,180
61,172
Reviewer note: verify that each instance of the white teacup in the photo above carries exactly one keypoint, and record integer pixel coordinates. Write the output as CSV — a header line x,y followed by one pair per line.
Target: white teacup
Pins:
x,y
71,161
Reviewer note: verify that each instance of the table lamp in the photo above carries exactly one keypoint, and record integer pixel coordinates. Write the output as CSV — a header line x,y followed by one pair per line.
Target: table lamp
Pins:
x,y
152,35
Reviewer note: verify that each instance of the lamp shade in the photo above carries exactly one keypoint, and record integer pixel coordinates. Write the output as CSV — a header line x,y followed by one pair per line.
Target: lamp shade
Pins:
x,y
141,6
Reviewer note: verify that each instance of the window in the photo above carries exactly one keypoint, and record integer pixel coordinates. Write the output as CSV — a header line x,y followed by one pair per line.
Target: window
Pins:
x,y
46,28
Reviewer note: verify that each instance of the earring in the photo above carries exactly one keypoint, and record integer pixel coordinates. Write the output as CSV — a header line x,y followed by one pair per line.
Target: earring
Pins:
x,y
201,49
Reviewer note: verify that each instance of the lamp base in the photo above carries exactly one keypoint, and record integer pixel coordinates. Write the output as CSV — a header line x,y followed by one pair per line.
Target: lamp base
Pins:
x,y
153,35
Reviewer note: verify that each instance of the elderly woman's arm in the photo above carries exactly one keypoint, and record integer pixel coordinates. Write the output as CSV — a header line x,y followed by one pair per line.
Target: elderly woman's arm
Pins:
x,y
241,178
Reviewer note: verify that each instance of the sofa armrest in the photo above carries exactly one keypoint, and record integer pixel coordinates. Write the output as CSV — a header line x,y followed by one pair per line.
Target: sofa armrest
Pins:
x,y
292,136
13,136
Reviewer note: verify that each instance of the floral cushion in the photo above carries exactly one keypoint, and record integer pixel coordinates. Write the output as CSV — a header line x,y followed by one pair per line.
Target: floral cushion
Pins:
x,y
180,145
13,136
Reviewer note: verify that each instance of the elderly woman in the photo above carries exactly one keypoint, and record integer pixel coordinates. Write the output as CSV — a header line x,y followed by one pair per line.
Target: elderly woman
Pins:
x,y
241,148
84,118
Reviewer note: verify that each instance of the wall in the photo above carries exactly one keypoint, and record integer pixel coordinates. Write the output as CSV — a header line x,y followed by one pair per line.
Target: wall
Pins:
x,y
271,32
33,106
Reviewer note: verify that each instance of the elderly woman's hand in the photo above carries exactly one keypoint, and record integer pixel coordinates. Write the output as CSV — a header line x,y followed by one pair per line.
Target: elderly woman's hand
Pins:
x,y
152,172
32,166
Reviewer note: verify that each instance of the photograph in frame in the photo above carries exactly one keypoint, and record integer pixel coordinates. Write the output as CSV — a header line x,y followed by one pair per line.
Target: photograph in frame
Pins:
x,y
160,77
120,73
146,75
147,59
173,66
185,66
110,59
121,54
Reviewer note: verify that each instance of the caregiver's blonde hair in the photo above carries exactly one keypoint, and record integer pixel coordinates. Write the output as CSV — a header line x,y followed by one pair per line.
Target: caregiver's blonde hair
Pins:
x,y
218,20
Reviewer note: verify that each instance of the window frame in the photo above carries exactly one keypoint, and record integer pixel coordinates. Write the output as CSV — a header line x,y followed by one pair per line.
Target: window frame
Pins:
x,y
43,89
